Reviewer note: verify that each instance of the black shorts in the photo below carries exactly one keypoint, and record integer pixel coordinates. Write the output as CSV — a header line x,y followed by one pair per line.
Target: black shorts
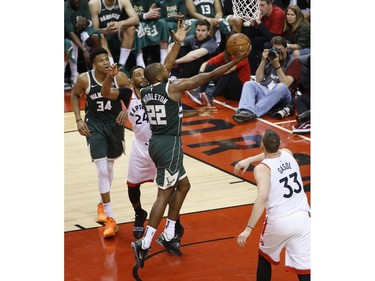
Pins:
x,y
106,140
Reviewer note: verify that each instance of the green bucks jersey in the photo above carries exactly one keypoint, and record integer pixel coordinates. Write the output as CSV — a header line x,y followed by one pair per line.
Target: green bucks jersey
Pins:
x,y
164,114
97,107
205,7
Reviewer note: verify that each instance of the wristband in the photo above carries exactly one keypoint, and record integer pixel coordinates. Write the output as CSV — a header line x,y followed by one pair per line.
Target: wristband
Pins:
x,y
178,43
277,68
250,227
80,119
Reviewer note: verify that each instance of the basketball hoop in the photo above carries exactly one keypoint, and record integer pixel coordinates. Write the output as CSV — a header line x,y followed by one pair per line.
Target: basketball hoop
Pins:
x,y
248,10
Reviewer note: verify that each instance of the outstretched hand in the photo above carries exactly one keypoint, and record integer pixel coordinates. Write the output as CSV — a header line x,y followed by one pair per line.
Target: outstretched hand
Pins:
x,y
207,110
114,69
243,54
181,32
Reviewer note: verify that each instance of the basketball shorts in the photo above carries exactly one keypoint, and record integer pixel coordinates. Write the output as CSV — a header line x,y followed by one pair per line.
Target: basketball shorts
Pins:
x,y
150,33
291,232
106,140
166,152
141,168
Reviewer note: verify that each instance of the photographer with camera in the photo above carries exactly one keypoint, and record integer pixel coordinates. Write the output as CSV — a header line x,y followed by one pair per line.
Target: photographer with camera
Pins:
x,y
276,82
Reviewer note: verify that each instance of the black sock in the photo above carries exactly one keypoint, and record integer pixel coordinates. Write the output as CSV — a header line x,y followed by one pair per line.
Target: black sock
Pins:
x,y
264,270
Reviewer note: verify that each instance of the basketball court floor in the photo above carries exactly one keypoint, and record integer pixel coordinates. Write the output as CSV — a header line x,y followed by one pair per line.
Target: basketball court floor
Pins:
x,y
215,211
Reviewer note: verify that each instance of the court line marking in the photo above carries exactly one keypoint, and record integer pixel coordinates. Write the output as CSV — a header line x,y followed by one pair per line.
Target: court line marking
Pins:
x,y
265,121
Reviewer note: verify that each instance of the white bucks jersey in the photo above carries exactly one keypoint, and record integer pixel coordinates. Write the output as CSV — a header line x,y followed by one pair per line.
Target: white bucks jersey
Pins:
x,y
286,194
138,119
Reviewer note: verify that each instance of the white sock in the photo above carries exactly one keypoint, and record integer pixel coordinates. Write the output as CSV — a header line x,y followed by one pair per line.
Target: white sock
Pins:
x,y
163,55
169,229
140,60
149,234
111,61
108,209
124,54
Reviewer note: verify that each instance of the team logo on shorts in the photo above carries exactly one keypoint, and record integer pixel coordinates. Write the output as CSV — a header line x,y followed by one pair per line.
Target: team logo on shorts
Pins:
x,y
170,180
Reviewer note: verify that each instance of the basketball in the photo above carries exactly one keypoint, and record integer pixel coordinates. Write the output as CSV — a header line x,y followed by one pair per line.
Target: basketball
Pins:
x,y
237,42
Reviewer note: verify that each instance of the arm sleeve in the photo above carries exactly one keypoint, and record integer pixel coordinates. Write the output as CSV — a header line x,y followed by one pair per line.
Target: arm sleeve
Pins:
x,y
125,95
210,46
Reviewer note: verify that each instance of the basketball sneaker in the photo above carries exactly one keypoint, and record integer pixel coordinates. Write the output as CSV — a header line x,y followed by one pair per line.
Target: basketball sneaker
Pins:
x,y
139,253
195,95
101,214
179,231
305,127
138,227
172,246
111,228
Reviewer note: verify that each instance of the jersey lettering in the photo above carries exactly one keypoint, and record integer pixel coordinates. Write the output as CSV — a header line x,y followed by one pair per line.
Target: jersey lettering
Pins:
x,y
290,188
205,9
101,106
156,114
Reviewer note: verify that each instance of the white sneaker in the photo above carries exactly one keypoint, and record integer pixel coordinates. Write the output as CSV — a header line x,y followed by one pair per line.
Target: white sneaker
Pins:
x,y
195,95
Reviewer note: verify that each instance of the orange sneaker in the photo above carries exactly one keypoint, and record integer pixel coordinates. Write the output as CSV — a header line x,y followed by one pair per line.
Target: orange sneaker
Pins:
x,y
110,228
101,214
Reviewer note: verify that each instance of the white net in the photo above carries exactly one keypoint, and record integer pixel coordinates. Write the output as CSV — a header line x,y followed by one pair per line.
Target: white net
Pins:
x,y
246,9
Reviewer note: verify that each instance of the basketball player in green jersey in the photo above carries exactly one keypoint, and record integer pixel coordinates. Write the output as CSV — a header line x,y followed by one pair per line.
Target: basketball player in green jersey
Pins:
x,y
105,136
162,102
212,11
116,19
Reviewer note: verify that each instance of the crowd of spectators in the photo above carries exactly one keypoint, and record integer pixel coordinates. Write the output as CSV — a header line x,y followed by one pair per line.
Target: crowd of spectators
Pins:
x,y
137,32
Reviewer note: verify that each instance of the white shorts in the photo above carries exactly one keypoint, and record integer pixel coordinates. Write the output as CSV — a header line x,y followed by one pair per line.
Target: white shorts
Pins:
x,y
292,233
141,168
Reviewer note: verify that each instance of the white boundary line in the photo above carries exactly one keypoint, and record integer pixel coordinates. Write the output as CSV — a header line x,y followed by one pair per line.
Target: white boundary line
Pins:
x,y
224,104
265,121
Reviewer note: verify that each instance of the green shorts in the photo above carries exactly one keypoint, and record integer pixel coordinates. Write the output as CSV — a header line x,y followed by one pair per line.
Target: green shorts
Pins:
x,y
150,33
106,140
166,152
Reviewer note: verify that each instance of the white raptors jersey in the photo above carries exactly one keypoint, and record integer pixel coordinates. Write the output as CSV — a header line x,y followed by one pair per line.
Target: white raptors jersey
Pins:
x,y
286,194
141,167
138,119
